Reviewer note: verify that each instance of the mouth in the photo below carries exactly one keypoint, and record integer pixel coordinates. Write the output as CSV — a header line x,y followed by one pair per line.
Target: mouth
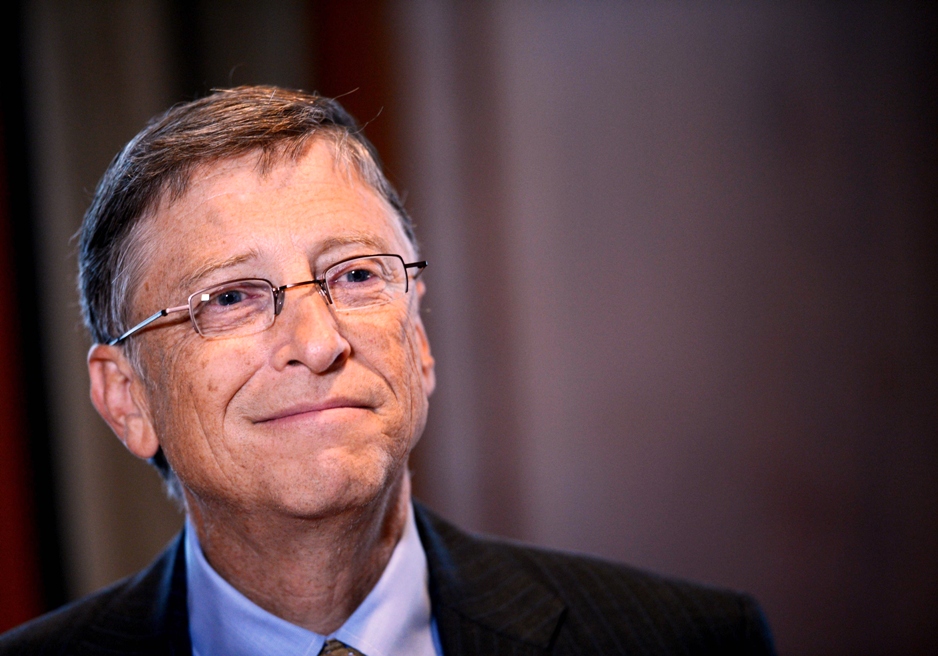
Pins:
x,y
311,410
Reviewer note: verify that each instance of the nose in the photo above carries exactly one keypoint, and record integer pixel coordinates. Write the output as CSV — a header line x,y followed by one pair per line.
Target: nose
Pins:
x,y
307,332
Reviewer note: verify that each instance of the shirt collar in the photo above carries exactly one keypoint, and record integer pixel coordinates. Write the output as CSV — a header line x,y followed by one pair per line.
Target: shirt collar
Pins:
x,y
394,618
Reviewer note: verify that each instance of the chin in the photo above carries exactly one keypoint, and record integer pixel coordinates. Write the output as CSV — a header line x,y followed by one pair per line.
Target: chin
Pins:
x,y
337,487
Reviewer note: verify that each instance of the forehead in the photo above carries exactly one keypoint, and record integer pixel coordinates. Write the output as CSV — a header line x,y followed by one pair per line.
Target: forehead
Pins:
x,y
233,217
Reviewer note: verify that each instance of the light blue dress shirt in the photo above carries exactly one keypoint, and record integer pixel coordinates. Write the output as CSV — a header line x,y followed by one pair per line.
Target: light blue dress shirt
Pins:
x,y
394,618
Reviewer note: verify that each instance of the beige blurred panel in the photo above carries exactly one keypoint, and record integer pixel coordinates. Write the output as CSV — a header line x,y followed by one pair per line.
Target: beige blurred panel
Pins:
x,y
470,459
96,72
712,348
447,470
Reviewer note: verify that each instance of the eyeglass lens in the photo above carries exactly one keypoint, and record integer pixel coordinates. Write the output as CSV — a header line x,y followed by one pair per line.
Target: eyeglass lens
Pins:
x,y
246,306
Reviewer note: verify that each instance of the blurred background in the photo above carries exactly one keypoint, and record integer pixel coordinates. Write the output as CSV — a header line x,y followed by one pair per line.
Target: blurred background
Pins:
x,y
682,292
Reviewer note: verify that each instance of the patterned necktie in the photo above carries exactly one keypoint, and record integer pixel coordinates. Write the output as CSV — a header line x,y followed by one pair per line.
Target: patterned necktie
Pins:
x,y
335,648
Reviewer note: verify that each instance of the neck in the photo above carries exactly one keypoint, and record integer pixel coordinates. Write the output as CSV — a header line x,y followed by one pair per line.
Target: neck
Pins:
x,y
311,572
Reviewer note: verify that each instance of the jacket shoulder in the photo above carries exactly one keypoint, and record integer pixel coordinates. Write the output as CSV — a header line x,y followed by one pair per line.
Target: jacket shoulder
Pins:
x,y
585,604
55,631
135,616
627,604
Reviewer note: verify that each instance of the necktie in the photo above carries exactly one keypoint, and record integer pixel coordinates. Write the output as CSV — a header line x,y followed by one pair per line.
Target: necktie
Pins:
x,y
335,648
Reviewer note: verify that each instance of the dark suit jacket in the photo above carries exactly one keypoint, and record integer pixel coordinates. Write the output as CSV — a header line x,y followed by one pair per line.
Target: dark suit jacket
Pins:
x,y
489,597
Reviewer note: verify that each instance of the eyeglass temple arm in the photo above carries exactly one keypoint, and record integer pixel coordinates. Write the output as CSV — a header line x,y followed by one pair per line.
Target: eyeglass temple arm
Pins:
x,y
420,266
146,322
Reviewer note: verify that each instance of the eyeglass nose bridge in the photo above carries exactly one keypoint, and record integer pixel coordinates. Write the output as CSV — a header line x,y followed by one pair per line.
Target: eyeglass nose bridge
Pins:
x,y
280,293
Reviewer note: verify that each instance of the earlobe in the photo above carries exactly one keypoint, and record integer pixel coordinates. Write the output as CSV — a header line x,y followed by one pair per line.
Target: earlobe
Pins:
x,y
117,395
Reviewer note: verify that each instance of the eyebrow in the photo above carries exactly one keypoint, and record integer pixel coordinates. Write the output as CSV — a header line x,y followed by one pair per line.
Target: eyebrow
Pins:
x,y
209,267
353,239
356,238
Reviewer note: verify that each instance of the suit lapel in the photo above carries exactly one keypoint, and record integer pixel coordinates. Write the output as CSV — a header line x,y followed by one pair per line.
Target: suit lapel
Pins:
x,y
484,601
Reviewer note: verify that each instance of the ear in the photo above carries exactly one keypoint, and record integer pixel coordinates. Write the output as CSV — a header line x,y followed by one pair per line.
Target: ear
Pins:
x,y
118,396
426,358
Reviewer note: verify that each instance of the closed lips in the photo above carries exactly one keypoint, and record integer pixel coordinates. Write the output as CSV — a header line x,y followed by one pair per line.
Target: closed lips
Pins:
x,y
307,408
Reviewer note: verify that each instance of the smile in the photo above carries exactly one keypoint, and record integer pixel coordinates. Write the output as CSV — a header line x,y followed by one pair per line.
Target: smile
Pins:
x,y
309,410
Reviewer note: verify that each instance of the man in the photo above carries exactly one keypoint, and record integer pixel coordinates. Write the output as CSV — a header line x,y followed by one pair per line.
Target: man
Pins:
x,y
251,284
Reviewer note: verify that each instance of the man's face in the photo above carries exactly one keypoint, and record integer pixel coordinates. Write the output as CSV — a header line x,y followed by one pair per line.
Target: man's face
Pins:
x,y
320,411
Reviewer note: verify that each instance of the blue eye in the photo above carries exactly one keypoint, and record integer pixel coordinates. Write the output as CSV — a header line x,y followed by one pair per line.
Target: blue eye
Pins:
x,y
230,297
358,276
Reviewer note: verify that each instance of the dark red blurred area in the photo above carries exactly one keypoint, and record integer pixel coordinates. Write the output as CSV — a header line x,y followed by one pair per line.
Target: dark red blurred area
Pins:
x,y
20,584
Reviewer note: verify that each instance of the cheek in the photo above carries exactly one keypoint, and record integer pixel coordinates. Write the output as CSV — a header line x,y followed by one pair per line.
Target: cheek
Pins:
x,y
389,345
192,388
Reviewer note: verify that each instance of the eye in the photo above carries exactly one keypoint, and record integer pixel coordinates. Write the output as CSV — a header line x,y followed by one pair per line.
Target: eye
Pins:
x,y
362,272
234,296
230,297
357,276
366,281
